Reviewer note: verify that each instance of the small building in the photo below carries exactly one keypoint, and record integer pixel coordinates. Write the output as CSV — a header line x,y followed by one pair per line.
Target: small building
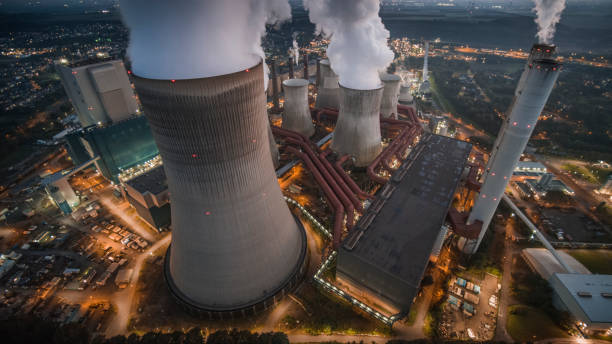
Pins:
x,y
148,194
530,167
124,277
587,297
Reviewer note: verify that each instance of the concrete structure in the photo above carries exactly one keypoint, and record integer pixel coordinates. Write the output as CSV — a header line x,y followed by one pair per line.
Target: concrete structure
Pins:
x,y
438,125
357,130
545,264
588,298
405,97
328,91
236,248
384,258
296,113
63,195
148,194
425,88
535,86
99,90
391,88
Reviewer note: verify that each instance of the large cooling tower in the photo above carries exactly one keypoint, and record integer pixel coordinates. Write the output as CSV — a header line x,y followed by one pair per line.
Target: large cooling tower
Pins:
x,y
328,91
296,113
357,131
391,88
531,95
236,248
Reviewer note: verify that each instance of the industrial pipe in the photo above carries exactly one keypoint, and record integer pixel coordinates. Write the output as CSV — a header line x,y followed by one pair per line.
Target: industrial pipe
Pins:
x,y
349,181
347,191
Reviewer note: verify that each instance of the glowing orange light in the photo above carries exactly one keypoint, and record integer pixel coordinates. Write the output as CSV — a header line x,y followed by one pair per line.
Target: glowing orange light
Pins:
x,y
173,81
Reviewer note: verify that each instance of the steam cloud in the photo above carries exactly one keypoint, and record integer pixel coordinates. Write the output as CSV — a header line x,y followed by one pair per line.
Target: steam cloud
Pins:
x,y
358,49
296,52
548,14
186,39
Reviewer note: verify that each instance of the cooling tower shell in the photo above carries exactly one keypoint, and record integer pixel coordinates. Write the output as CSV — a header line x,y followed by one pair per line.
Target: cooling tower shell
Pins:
x,y
357,130
391,88
328,91
405,97
296,114
236,248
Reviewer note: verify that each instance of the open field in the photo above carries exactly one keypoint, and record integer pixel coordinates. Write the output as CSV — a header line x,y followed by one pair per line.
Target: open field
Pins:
x,y
597,261
527,324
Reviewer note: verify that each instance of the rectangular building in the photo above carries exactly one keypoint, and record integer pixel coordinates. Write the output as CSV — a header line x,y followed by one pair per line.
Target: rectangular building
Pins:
x,y
386,255
148,194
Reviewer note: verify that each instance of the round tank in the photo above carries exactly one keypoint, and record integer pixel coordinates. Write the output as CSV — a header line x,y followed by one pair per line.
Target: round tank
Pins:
x,y
405,97
357,131
391,88
327,88
296,112
236,248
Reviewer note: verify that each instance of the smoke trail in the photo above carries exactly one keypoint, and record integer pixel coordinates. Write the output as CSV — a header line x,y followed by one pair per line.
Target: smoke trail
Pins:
x,y
548,14
296,52
358,49
186,39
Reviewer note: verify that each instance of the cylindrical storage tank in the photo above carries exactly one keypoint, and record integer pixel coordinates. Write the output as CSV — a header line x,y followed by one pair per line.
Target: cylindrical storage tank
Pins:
x,y
526,108
235,247
357,131
388,103
328,90
404,96
296,113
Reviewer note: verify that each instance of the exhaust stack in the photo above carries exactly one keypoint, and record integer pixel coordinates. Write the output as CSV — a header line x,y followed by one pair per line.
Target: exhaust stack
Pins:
x,y
328,89
388,103
357,131
235,247
296,114
533,90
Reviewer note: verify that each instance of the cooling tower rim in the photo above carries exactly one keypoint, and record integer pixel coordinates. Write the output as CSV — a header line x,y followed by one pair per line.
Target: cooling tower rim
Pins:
x,y
388,77
212,77
195,307
295,82
325,62
379,87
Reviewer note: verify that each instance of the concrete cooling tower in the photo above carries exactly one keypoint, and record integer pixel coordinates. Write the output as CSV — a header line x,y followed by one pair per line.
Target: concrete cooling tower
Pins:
x,y
357,131
532,92
236,249
327,88
388,103
296,114
405,97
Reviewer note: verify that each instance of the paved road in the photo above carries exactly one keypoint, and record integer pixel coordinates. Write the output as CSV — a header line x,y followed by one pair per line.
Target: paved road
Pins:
x,y
501,334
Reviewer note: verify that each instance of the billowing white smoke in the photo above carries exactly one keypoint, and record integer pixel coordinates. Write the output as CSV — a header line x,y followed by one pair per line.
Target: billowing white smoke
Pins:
x,y
358,49
548,14
296,52
187,39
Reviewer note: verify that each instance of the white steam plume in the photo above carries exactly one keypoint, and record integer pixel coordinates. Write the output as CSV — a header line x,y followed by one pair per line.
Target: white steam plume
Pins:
x,y
548,14
187,39
358,49
296,52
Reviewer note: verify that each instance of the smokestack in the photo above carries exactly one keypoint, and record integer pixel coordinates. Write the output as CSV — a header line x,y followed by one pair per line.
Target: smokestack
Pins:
x,y
306,74
275,91
235,248
357,131
296,112
531,95
328,90
388,103
425,64
291,71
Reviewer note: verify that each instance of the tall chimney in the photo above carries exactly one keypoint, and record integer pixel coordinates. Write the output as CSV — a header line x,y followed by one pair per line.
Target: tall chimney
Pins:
x,y
306,74
291,71
236,248
357,131
532,93
388,103
405,97
328,90
275,90
296,113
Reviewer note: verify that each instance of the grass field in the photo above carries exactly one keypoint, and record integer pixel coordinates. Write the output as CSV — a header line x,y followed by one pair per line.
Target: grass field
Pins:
x,y
528,324
597,261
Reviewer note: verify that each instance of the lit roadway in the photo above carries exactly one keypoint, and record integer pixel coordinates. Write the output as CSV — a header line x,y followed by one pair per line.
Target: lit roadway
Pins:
x,y
124,299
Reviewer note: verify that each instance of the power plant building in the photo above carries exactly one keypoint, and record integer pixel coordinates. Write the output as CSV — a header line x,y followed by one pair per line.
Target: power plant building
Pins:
x,y
385,256
100,90
148,194
236,248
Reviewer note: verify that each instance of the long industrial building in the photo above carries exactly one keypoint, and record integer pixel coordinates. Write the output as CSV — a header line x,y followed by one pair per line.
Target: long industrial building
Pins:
x,y
148,194
236,248
384,258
